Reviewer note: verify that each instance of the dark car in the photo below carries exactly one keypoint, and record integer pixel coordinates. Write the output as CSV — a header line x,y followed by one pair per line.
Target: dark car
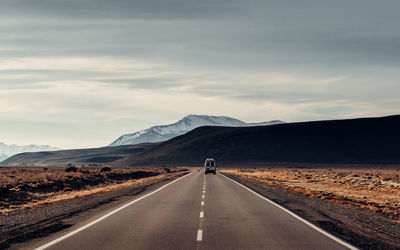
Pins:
x,y
210,166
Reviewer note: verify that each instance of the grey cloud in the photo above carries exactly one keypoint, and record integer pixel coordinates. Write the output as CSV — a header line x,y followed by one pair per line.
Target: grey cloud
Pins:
x,y
153,9
358,38
226,34
143,83
195,49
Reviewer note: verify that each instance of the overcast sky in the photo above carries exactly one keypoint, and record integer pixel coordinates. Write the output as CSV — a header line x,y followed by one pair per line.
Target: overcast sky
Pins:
x,y
79,73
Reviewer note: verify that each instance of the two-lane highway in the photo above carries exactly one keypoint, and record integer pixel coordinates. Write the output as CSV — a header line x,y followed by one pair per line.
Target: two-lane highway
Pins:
x,y
196,211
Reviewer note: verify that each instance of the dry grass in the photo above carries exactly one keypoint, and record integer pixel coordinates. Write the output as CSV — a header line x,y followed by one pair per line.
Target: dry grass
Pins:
x,y
61,196
14,176
18,175
13,183
376,190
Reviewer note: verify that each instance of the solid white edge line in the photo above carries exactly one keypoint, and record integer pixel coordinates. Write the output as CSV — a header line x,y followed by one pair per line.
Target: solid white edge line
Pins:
x,y
105,216
199,235
296,216
201,214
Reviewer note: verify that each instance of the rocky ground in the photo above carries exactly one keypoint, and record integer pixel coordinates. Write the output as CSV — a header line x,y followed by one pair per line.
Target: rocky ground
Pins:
x,y
32,206
360,206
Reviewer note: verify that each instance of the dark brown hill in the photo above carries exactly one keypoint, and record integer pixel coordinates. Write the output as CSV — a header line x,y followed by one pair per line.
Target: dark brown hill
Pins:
x,y
76,156
353,141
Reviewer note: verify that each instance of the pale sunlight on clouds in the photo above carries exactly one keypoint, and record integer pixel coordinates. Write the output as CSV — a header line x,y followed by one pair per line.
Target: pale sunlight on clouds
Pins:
x,y
79,74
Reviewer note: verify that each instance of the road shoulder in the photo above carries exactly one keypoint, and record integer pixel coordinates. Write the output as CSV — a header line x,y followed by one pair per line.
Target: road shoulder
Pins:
x,y
360,227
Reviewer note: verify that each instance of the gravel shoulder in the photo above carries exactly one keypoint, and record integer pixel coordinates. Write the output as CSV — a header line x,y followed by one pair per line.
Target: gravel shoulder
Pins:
x,y
23,225
363,228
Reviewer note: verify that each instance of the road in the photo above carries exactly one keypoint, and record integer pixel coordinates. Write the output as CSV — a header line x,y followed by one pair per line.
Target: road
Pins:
x,y
196,211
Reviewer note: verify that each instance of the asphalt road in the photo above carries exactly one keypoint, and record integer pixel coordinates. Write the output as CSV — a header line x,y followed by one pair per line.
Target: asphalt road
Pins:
x,y
196,211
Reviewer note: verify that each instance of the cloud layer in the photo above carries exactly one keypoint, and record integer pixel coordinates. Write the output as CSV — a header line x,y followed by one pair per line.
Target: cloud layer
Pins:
x,y
96,69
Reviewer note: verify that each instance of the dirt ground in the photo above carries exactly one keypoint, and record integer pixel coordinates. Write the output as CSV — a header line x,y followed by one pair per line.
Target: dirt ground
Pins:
x,y
358,205
22,188
377,190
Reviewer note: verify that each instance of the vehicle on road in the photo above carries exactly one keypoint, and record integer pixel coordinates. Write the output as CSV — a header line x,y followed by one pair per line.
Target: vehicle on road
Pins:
x,y
210,166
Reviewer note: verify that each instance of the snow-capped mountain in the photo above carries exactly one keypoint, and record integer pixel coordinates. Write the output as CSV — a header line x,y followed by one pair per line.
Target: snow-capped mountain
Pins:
x,y
190,122
9,150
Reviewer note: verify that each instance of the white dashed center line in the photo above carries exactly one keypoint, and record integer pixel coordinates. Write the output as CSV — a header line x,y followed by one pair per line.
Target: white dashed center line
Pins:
x,y
200,231
199,235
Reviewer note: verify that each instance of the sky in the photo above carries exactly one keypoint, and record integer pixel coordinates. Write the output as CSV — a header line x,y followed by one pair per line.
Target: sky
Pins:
x,y
80,73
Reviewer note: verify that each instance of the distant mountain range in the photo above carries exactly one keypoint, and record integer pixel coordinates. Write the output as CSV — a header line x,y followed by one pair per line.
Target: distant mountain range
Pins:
x,y
186,124
9,150
367,141
353,141
126,145
76,156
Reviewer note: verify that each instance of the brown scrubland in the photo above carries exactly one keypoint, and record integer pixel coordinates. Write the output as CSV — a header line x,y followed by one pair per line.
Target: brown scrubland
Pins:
x,y
373,189
27,187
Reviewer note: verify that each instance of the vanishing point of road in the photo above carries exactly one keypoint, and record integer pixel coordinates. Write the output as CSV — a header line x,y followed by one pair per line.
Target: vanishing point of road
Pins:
x,y
196,211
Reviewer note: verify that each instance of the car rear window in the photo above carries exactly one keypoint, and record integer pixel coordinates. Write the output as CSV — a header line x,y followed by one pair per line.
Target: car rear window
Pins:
x,y
210,163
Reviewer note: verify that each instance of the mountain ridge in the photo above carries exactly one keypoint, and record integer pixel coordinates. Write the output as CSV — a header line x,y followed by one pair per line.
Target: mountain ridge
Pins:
x,y
367,141
350,141
7,151
165,132
85,156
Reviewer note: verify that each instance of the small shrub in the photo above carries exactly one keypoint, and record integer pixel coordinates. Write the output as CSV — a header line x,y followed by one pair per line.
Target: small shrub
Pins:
x,y
71,169
105,169
167,170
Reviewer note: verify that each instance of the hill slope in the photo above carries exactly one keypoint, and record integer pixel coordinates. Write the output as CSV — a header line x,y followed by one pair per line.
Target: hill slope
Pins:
x,y
9,150
75,156
188,123
364,141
